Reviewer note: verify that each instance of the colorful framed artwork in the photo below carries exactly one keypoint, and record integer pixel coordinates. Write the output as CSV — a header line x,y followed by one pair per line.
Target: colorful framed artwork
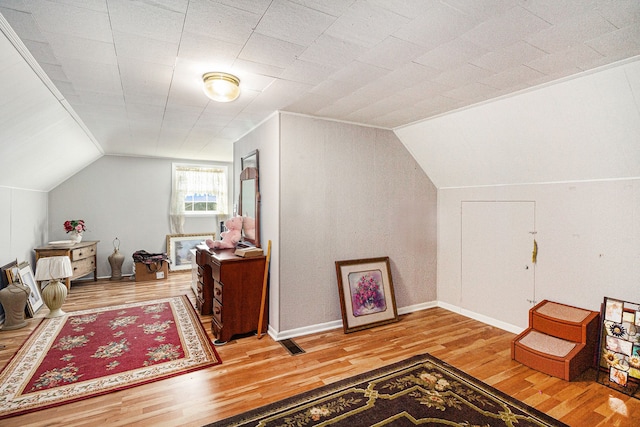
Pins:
x,y
619,361
613,310
179,248
34,302
366,293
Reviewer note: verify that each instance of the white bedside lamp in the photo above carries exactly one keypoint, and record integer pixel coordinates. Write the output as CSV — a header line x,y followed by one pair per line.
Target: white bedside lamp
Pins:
x,y
54,269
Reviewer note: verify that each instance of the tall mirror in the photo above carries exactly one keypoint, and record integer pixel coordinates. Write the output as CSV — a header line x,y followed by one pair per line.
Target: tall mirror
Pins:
x,y
249,203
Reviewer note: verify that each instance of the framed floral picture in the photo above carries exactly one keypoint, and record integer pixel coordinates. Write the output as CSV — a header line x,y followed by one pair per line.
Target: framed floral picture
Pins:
x,y
179,248
366,293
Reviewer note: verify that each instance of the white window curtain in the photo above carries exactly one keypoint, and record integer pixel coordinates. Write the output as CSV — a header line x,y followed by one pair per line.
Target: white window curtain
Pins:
x,y
190,179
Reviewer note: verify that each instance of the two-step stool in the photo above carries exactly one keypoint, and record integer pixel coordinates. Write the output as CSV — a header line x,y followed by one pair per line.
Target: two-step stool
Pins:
x,y
561,340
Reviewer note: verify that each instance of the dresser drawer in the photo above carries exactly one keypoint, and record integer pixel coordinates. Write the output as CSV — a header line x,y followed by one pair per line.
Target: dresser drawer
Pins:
x,y
215,271
217,291
83,267
82,253
217,312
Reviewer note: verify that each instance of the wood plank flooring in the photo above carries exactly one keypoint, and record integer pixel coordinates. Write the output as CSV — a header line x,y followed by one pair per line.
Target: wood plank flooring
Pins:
x,y
256,372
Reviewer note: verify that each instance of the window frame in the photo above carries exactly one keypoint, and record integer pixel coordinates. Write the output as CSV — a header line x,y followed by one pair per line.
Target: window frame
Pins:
x,y
200,214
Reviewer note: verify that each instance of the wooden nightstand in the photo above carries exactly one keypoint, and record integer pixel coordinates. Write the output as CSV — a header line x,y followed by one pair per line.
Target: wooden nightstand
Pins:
x,y
83,255
240,280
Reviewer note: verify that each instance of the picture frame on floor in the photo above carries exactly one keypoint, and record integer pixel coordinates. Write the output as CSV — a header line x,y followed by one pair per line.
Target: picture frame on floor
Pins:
x,y
7,274
34,302
179,248
366,292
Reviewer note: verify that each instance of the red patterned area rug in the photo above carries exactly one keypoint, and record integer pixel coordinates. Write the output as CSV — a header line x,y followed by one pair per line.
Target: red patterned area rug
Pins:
x,y
92,352
422,390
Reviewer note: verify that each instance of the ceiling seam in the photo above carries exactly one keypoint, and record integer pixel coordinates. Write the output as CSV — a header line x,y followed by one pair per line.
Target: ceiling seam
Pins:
x,y
115,51
173,72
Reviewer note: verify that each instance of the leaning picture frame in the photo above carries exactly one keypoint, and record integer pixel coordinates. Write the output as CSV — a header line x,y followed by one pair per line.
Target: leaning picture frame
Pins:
x,y
179,248
366,293
6,276
34,302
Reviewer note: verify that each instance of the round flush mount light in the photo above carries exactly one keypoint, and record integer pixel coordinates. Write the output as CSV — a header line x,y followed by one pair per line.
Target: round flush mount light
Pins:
x,y
221,87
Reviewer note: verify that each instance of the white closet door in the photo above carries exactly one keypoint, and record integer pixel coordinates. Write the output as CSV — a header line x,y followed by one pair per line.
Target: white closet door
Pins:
x,y
498,275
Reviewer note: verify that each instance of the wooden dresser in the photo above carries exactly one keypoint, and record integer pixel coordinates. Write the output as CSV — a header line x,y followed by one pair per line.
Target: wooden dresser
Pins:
x,y
83,255
230,288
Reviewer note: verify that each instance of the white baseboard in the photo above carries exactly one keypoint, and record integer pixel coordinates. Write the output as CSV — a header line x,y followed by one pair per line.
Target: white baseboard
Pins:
x,y
321,327
481,318
417,307
305,330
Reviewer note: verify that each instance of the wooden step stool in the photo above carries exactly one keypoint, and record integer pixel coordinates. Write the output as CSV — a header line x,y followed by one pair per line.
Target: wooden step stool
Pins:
x,y
561,340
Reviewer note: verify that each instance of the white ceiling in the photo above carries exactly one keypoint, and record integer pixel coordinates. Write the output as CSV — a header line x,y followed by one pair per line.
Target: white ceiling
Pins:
x,y
131,70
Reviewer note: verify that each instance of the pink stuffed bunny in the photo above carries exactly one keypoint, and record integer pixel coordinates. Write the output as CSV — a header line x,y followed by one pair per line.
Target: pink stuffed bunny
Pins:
x,y
230,237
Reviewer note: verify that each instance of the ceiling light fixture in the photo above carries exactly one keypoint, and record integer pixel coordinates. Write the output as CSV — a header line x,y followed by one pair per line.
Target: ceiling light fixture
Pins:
x,y
221,87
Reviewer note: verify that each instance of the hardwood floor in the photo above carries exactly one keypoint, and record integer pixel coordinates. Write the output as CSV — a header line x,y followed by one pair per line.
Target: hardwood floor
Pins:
x,y
256,372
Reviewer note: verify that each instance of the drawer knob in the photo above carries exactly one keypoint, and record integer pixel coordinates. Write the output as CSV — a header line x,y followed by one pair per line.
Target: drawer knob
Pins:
x,y
217,310
218,291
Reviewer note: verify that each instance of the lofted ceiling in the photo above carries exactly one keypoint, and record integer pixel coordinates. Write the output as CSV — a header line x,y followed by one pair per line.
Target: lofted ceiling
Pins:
x,y
130,71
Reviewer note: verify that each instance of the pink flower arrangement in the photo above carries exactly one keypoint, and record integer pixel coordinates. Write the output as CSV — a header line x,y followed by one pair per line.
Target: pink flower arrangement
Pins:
x,y
367,297
76,225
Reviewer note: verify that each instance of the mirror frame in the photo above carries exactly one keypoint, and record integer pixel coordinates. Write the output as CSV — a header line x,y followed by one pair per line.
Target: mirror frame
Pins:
x,y
249,161
251,173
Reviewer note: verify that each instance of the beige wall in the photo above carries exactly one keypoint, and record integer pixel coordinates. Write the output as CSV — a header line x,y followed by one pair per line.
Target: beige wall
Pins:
x,y
23,224
123,197
349,192
266,139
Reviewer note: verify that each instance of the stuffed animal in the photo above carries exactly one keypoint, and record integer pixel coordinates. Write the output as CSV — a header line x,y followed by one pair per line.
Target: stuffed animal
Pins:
x,y
230,237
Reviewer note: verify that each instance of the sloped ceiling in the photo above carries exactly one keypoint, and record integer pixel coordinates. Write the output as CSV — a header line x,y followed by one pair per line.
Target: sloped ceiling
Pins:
x,y
41,142
131,70
584,128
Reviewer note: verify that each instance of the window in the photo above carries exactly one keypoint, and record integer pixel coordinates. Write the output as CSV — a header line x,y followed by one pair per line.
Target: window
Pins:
x,y
199,189
200,203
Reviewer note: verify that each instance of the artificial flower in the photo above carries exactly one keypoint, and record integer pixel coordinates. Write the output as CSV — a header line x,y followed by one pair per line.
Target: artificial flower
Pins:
x,y
634,361
76,225
611,358
368,295
617,330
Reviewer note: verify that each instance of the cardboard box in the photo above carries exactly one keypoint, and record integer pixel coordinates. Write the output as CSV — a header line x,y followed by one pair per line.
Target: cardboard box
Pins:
x,y
156,271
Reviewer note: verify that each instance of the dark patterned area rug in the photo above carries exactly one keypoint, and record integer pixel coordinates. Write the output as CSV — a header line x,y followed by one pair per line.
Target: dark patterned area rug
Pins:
x,y
422,390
